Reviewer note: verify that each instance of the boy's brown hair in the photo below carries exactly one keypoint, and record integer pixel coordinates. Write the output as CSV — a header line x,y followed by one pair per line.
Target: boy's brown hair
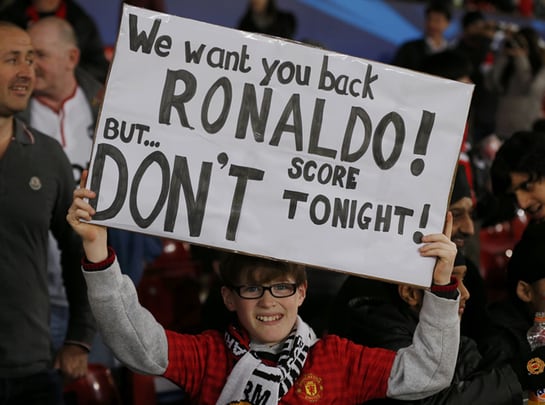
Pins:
x,y
237,269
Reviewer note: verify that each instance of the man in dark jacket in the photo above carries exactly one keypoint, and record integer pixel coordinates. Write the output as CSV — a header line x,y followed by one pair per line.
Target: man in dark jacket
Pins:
x,y
411,54
64,105
475,319
386,316
36,186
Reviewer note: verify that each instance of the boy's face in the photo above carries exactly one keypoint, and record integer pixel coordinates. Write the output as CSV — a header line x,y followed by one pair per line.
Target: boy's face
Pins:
x,y
267,319
530,195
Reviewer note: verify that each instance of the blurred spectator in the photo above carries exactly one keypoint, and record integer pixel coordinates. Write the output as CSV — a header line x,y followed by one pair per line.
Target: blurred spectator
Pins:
x,y
454,65
450,64
492,5
512,317
518,75
5,3
156,5
26,12
518,174
482,157
475,42
263,16
411,54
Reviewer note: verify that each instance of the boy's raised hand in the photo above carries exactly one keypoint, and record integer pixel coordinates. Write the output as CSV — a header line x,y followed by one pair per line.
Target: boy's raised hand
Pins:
x,y
440,246
94,236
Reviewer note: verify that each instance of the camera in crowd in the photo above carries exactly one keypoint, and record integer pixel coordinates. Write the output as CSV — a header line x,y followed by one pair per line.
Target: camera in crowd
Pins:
x,y
516,41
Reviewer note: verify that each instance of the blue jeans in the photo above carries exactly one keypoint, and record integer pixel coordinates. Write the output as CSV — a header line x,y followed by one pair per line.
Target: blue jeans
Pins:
x,y
58,325
44,388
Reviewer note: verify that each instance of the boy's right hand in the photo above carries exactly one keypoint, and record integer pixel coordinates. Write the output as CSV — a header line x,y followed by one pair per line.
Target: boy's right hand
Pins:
x,y
94,236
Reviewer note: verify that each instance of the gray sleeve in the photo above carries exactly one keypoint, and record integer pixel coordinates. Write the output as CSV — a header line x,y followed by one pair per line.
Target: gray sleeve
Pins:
x,y
523,76
132,333
492,78
427,365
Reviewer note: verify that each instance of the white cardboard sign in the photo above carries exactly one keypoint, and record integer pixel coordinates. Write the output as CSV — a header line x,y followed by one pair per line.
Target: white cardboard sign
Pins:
x,y
254,144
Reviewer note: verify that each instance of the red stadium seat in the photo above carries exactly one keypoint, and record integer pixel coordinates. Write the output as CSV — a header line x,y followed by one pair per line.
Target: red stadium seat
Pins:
x,y
496,245
170,288
96,388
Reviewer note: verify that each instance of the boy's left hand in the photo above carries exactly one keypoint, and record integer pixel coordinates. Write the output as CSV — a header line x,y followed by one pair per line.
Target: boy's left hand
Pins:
x,y
440,246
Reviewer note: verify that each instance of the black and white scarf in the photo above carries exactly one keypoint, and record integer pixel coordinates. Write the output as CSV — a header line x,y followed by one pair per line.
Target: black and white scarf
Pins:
x,y
253,382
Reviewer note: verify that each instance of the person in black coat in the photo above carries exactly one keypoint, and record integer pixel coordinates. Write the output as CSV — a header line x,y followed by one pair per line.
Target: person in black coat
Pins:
x,y
512,317
386,315
411,54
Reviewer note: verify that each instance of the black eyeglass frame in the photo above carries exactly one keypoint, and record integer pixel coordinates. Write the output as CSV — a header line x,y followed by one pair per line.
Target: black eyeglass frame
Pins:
x,y
237,288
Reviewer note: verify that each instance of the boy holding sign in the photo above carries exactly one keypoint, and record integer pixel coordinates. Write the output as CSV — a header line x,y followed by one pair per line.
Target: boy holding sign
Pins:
x,y
270,355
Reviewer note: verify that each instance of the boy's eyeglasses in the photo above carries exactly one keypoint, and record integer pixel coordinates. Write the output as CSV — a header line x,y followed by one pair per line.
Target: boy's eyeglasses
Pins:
x,y
252,292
